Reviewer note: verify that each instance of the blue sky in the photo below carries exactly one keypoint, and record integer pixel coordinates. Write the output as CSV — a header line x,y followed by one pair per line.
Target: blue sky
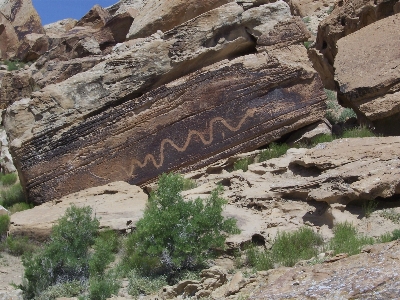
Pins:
x,y
54,10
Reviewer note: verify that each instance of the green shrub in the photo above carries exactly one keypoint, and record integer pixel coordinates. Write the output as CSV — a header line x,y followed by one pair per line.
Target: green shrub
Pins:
x,y
391,215
8,179
19,207
104,246
67,289
346,114
368,207
332,99
145,285
20,245
4,223
308,44
274,150
385,238
103,286
242,164
323,138
188,184
306,19
14,65
259,259
359,132
291,247
65,257
347,240
14,194
175,234
395,234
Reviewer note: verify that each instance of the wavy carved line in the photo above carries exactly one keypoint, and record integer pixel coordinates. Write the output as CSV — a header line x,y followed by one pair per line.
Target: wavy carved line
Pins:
x,y
150,157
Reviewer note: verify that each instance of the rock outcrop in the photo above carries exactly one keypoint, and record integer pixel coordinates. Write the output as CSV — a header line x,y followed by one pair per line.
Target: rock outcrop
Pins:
x,y
117,205
165,15
346,18
126,119
369,82
372,274
18,19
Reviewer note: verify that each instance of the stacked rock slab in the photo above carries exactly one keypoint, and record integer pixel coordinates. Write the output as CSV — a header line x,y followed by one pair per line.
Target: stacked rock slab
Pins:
x,y
171,102
18,19
369,81
347,17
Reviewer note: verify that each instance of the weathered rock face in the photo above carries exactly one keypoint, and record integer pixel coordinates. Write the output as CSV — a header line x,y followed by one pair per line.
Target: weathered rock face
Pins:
x,y
372,274
59,27
117,205
346,18
369,82
165,15
338,172
17,19
96,127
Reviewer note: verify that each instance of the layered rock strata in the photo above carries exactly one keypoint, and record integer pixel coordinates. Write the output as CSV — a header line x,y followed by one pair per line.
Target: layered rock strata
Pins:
x,y
126,119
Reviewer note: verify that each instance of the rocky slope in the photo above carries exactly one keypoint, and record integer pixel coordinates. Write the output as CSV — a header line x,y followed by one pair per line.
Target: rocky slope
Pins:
x,y
145,87
126,110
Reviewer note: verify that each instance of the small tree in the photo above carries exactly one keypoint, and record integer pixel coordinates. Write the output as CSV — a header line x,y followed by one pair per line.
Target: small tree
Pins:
x,y
175,234
65,258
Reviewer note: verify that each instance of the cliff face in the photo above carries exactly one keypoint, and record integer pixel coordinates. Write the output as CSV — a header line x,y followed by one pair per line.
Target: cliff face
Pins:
x,y
229,80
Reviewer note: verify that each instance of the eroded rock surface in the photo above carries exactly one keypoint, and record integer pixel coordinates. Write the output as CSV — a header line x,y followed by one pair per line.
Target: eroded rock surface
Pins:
x,y
66,138
369,82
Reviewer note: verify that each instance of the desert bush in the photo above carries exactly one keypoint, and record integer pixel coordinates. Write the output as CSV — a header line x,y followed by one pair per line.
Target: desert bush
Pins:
x,y
346,114
65,257
347,240
323,138
13,195
395,234
291,247
13,65
175,234
358,132
104,248
242,164
332,99
368,207
4,223
145,285
274,150
67,289
259,259
101,287
21,206
308,44
19,245
8,179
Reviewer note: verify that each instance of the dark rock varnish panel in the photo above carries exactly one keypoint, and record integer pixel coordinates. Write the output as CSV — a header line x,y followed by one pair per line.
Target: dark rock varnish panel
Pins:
x,y
228,107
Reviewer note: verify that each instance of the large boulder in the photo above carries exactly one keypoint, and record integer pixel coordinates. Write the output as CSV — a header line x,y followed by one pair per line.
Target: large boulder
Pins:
x,y
125,119
18,18
165,15
117,205
369,82
346,18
